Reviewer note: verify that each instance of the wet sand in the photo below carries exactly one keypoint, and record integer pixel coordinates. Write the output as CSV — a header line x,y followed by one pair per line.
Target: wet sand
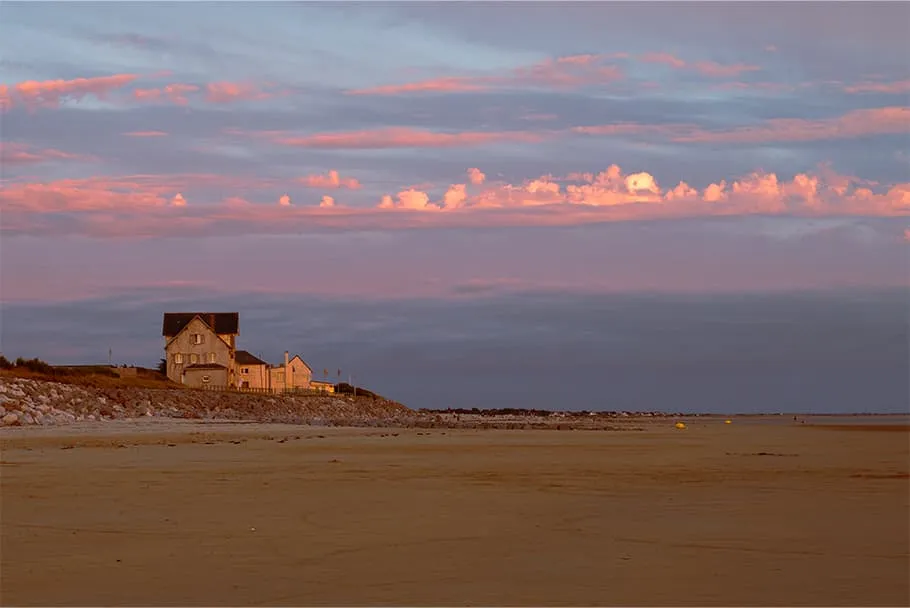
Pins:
x,y
179,513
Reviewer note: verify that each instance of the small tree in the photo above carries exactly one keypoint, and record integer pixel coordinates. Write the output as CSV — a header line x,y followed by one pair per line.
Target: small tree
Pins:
x,y
162,366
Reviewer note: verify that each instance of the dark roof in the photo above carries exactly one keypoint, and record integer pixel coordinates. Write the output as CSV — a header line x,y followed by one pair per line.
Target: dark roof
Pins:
x,y
205,366
220,322
243,357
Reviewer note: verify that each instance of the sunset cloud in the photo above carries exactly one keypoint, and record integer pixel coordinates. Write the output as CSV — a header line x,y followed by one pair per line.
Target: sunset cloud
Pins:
x,y
894,87
108,207
330,180
35,94
174,93
229,92
857,123
433,85
853,124
476,176
284,200
404,137
12,153
710,69
756,193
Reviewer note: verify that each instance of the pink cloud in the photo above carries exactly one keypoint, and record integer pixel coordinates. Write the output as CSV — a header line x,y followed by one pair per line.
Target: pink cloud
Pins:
x,y
330,180
899,86
284,200
664,58
53,93
434,85
12,153
708,68
145,134
476,176
228,92
150,205
857,123
568,72
403,137
175,93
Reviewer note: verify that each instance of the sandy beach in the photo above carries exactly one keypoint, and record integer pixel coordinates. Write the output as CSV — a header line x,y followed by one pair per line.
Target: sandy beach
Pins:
x,y
159,512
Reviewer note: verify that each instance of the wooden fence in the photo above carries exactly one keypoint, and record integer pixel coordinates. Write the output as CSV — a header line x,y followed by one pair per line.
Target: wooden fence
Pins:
x,y
264,391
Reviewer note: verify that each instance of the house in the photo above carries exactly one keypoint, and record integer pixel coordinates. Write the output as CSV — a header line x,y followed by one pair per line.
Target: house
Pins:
x,y
294,374
299,373
250,371
200,347
201,351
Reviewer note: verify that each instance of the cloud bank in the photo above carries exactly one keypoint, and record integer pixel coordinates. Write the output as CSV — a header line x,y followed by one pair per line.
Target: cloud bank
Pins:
x,y
148,206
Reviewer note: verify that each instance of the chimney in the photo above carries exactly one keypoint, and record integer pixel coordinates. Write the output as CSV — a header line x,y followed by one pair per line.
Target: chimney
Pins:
x,y
212,321
287,376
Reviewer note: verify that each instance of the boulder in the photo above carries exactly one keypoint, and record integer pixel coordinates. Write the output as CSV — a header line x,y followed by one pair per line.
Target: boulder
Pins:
x,y
11,419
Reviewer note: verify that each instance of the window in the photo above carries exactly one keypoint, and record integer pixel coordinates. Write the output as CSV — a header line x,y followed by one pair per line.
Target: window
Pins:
x,y
211,357
198,339
194,358
178,359
245,370
205,379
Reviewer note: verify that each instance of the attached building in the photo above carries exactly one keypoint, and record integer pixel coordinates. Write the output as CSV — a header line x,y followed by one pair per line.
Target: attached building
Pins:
x,y
250,371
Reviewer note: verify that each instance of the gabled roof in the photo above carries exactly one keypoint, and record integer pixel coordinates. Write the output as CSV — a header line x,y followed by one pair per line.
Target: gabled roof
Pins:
x,y
243,357
220,322
301,360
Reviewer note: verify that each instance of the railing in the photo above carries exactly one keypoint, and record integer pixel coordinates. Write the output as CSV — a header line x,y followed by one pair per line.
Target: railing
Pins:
x,y
263,391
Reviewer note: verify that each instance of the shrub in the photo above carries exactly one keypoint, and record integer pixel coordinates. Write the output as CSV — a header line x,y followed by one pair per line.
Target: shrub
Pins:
x,y
35,365
5,363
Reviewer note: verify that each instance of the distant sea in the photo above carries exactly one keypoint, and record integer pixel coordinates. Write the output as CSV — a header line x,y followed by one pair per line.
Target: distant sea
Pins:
x,y
836,352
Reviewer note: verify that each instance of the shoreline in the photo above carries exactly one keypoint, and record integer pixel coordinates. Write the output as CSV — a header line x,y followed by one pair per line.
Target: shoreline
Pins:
x,y
34,403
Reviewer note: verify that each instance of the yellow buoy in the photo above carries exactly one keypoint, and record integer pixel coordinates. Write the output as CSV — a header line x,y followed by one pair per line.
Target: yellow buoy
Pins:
x,y
680,425
728,422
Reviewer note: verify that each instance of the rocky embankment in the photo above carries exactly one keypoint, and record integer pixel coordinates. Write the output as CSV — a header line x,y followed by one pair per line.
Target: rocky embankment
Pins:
x,y
27,402
34,402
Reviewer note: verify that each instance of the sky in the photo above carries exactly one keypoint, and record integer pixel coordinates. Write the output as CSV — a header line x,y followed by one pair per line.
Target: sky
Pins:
x,y
449,183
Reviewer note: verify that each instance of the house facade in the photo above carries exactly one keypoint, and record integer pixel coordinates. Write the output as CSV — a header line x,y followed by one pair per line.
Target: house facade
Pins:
x,y
292,375
201,375
200,339
250,371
